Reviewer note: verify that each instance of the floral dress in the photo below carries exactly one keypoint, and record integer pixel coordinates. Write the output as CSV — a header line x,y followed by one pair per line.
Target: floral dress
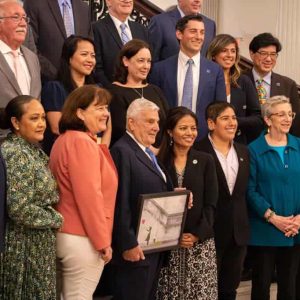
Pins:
x,y
27,266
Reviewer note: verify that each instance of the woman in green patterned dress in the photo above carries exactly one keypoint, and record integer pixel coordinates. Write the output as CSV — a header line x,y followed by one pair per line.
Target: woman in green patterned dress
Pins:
x,y
27,266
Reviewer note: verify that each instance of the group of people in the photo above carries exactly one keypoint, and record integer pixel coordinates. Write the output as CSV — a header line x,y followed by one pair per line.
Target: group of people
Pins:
x,y
199,124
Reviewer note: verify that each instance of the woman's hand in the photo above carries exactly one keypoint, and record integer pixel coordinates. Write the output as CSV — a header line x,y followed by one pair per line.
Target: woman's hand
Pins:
x,y
293,229
106,254
190,203
282,223
188,240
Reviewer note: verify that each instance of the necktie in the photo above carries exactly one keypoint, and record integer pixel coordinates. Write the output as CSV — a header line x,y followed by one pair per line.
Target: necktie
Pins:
x,y
20,73
67,17
153,159
124,37
187,94
261,91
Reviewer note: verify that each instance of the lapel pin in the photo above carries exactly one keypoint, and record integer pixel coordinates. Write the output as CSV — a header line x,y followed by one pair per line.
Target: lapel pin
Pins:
x,y
244,106
241,159
195,161
277,83
208,71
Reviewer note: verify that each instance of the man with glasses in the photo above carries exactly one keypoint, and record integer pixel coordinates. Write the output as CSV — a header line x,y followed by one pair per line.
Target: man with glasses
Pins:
x,y
19,67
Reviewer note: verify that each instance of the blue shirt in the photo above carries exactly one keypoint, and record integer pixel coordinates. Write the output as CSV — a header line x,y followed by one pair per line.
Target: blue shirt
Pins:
x,y
274,185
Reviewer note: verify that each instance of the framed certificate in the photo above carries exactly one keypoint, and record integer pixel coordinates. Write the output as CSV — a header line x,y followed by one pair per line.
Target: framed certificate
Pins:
x,y
161,221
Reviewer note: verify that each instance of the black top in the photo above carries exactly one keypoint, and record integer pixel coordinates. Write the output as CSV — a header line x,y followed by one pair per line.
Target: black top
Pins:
x,y
123,96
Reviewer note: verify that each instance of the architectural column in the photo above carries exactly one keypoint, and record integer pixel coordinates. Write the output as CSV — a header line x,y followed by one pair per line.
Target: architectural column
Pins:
x,y
210,8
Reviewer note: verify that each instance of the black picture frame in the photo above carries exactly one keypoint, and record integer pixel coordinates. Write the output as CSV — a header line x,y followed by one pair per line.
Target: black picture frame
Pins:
x,y
161,220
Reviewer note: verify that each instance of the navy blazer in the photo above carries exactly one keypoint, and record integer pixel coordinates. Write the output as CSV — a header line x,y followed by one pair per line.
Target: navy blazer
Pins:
x,y
137,176
2,202
163,37
211,86
108,44
231,219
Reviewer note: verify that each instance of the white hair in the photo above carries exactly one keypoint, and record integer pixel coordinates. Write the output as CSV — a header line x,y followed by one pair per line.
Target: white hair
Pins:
x,y
3,2
267,107
138,105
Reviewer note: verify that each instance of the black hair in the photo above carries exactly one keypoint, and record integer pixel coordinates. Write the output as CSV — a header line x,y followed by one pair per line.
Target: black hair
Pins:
x,y
264,40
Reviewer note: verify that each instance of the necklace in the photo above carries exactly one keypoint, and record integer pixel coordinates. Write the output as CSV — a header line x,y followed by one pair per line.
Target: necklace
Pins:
x,y
140,94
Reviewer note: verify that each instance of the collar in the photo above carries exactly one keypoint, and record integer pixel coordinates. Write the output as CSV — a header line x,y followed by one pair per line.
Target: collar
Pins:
x,y
133,137
181,12
262,145
118,23
212,142
4,48
68,2
183,58
266,79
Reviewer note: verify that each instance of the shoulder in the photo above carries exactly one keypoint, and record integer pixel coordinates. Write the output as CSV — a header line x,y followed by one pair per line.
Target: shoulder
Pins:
x,y
244,80
282,78
28,53
208,21
166,62
53,85
162,17
204,62
102,22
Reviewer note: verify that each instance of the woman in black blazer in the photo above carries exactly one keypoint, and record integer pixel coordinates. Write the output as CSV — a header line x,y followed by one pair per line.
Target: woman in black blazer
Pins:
x,y
240,91
191,271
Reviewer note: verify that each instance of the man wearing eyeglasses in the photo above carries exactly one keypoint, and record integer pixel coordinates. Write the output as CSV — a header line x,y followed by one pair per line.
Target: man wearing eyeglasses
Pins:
x,y
19,67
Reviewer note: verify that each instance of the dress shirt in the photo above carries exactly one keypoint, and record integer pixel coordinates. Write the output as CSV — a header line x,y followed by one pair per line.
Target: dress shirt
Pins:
x,y
60,3
144,150
182,14
118,23
182,69
7,53
266,81
229,163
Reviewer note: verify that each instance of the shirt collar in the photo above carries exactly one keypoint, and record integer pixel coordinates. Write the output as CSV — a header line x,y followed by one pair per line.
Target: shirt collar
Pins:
x,y
183,58
212,142
68,2
118,23
5,49
266,79
133,137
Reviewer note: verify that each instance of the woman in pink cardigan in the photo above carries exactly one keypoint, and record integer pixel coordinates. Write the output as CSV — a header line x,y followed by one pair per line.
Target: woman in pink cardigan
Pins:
x,y
87,181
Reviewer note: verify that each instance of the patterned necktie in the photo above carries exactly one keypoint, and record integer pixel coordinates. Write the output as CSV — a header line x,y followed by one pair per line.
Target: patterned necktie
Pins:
x,y
20,73
67,17
124,37
261,91
153,159
187,94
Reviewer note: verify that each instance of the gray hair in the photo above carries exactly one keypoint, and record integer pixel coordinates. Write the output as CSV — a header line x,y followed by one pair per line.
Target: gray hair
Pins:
x,y
138,105
267,107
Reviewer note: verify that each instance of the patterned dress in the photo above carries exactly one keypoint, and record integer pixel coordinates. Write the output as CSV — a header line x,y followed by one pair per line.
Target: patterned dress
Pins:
x,y
27,267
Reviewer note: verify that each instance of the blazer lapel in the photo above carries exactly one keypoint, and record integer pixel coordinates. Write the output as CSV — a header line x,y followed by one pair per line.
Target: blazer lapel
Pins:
x,y
7,71
55,10
111,28
31,70
172,81
204,75
275,85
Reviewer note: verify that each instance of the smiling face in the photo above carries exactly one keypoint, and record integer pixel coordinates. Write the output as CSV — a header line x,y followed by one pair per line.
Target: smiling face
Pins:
x,y
225,126
184,133
191,38
32,125
264,60
138,66
144,127
12,32
120,9
226,57
190,7
83,60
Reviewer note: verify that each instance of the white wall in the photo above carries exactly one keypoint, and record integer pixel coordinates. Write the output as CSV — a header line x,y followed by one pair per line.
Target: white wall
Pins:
x,y
164,4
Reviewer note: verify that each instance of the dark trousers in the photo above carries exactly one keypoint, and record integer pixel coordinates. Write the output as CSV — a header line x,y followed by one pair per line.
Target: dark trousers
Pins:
x,y
265,259
230,261
137,281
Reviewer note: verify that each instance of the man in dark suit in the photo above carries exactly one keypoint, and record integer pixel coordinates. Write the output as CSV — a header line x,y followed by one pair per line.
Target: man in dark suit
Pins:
x,y
49,29
264,50
231,220
136,274
111,33
162,29
207,83
2,202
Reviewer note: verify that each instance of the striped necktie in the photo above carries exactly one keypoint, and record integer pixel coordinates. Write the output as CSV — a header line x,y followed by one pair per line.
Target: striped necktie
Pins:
x,y
187,94
124,37
67,17
153,159
261,91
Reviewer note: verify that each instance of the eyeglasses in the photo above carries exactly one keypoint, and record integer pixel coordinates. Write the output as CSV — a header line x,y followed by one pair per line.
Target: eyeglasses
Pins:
x,y
283,115
264,54
17,19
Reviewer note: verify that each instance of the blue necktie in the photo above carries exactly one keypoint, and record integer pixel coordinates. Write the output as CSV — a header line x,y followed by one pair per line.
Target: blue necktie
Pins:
x,y
153,159
67,17
124,37
187,94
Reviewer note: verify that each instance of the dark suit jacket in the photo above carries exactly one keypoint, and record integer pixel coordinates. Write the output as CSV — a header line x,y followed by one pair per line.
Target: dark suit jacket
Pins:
x,y
2,202
231,215
211,86
245,100
163,38
108,44
282,85
199,177
49,30
137,176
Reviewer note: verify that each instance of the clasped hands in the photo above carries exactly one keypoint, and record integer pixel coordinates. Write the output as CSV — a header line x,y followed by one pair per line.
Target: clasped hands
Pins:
x,y
288,225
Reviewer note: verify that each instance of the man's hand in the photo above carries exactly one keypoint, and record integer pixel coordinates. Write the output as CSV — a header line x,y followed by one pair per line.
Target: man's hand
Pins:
x,y
134,254
106,254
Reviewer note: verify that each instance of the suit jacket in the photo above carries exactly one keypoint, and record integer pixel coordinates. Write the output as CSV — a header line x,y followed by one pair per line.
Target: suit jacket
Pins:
x,y
282,85
231,219
163,37
49,30
108,44
2,202
199,177
137,176
245,100
211,86
9,87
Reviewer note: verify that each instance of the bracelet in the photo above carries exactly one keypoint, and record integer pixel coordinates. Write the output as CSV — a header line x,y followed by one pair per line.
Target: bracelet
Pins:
x,y
270,215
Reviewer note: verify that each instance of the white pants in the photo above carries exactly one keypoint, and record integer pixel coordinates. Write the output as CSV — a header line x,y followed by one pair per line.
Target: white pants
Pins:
x,y
81,266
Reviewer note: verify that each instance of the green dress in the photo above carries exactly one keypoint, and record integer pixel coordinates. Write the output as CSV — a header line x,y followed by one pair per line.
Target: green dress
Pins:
x,y
27,266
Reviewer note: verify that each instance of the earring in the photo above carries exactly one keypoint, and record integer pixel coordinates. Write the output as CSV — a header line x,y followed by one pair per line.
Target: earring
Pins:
x,y
171,141
17,128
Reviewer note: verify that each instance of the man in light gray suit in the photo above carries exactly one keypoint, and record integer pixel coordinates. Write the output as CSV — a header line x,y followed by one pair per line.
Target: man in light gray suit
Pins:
x,y
19,66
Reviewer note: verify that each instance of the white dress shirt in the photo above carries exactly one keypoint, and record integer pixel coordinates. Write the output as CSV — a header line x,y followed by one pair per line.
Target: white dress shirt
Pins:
x,y
266,81
118,23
